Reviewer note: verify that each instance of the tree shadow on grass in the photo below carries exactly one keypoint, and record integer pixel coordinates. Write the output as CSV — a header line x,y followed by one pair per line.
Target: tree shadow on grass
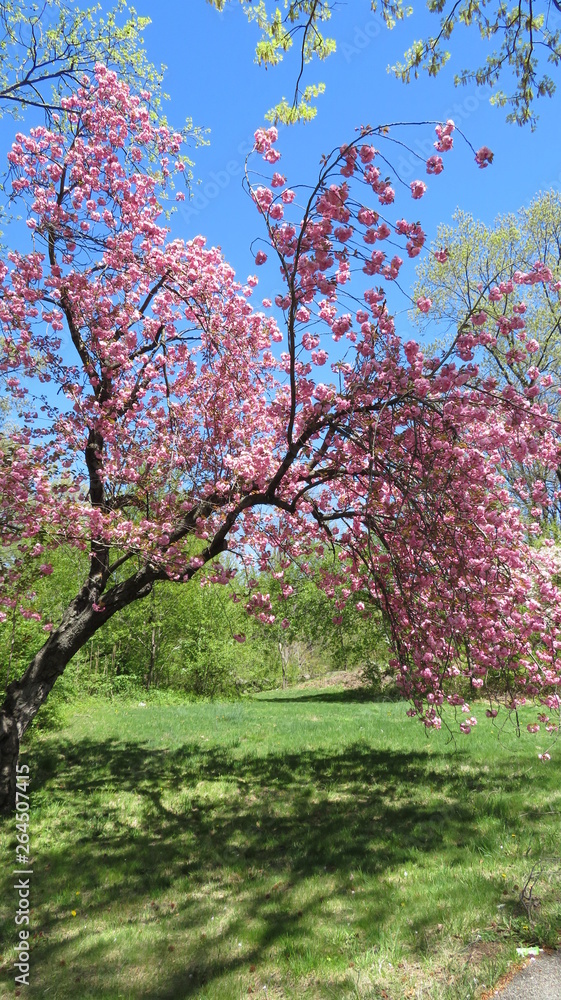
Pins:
x,y
346,696
214,826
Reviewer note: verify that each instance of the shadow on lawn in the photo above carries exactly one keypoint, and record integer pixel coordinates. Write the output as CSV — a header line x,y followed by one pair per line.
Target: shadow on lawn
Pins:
x,y
348,695
287,817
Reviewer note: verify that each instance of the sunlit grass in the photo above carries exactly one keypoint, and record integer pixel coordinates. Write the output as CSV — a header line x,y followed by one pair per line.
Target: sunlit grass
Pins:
x,y
303,845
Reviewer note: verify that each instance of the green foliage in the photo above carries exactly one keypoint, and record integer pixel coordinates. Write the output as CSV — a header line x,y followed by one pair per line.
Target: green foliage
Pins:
x,y
20,638
480,257
206,661
521,35
182,638
524,37
279,28
302,108
46,48
40,595
312,636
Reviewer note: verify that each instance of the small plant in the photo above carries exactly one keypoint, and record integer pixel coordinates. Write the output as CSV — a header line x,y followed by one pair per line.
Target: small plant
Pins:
x,y
547,869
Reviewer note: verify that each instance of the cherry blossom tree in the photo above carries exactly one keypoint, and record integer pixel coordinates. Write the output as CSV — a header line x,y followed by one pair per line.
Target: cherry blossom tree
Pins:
x,y
160,420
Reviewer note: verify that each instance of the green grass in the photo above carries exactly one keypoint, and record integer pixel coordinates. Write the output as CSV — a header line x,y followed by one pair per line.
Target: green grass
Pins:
x,y
305,845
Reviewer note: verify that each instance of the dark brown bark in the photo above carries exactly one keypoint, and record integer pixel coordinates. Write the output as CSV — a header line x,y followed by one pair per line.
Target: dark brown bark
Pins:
x,y
24,697
152,662
9,753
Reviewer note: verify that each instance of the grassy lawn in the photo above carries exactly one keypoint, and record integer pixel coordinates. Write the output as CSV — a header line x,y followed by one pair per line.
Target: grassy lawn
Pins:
x,y
300,845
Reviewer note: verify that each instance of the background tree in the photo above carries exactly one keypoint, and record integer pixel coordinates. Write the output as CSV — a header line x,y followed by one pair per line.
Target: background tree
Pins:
x,y
527,36
187,639
310,630
468,272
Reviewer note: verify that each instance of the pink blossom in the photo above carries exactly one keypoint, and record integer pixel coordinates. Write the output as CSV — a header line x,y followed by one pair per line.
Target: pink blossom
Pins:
x,y
483,157
272,156
478,319
367,216
323,393
444,136
319,357
367,153
435,165
418,188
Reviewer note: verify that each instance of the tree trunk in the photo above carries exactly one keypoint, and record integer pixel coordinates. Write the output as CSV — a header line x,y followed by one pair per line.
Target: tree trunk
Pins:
x,y
152,663
25,696
153,643
12,642
284,657
9,753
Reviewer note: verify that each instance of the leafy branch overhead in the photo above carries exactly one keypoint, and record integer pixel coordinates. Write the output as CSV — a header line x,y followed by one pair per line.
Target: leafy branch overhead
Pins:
x,y
300,21
519,41
46,48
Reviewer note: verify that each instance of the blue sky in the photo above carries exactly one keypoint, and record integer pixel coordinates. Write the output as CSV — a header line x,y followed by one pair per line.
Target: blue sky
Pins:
x,y
211,77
